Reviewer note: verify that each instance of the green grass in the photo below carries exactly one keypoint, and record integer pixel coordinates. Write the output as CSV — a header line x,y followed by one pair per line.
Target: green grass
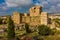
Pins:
x,y
34,34
51,37
20,32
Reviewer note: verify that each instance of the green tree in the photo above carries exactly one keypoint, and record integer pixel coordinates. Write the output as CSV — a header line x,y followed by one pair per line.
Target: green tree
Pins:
x,y
57,22
44,30
0,21
11,31
27,28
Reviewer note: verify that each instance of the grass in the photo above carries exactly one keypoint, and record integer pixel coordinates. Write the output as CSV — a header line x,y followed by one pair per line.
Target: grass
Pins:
x,y
51,37
35,34
20,32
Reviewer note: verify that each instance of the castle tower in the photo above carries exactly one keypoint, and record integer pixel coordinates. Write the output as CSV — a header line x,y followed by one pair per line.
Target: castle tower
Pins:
x,y
35,11
16,17
44,18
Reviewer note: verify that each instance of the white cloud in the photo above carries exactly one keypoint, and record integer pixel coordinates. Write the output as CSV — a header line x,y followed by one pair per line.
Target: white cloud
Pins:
x,y
53,5
43,3
58,5
14,3
53,9
3,7
50,6
53,1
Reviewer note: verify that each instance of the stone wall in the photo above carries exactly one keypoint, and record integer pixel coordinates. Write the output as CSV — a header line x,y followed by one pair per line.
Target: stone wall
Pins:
x,y
44,18
35,11
16,17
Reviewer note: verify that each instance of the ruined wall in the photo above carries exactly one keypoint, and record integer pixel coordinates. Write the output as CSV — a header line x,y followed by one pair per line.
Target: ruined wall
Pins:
x,y
26,19
35,11
31,20
44,18
35,20
16,17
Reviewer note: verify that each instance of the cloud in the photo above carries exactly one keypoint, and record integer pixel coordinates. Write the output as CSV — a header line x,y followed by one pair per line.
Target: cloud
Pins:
x,y
41,3
58,5
14,3
51,6
54,1
3,7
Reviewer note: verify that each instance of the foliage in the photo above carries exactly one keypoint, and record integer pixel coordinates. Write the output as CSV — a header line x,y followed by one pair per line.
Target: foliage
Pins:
x,y
27,28
11,32
0,21
57,22
44,30
17,38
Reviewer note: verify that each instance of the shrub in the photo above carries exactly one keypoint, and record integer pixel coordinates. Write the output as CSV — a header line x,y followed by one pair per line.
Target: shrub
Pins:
x,y
0,21
27,28
44,30
17,38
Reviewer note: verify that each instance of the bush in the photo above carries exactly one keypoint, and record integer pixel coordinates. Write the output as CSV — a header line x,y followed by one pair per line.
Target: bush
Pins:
x,y
17,38
27,28
44,30
0,21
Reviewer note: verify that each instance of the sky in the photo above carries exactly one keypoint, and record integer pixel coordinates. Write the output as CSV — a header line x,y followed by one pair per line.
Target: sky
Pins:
x,y
7,7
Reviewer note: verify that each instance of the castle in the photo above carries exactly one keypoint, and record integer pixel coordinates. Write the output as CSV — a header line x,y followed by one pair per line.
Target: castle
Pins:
x,y
35,18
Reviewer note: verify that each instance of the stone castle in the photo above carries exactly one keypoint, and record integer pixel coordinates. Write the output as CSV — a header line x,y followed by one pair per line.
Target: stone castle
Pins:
x,y
35,18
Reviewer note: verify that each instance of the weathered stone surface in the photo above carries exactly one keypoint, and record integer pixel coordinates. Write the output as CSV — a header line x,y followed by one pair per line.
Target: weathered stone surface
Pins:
x,y
16,18
35,11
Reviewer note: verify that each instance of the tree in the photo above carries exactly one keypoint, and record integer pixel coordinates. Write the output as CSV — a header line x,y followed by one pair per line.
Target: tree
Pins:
x,y
57,22
27,28
0,21
44,30
10,32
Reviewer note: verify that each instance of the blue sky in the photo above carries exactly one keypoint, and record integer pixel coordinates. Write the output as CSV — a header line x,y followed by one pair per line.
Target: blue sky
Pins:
x,y
9,6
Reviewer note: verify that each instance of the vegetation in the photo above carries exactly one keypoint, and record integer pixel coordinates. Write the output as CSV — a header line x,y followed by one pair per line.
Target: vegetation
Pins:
x,y
44,30
17,38
11,32
0,21
27,28
57,22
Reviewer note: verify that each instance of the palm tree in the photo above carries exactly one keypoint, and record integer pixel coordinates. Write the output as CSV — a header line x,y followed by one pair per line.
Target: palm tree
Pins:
x,y
57,22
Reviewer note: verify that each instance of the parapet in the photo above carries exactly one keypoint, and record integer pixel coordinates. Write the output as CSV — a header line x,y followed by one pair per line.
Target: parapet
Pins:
x,y
25,14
